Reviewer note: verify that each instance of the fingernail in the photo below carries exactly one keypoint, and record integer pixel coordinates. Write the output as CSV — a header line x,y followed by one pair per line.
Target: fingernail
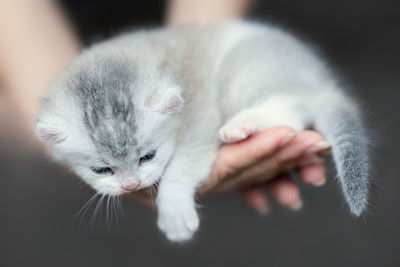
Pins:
x,y
319,147
287,139
296,206
320,183
324,144
263,210
311,161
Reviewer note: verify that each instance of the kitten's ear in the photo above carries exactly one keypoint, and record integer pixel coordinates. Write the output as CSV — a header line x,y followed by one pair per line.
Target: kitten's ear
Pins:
x,y
51,129
168,102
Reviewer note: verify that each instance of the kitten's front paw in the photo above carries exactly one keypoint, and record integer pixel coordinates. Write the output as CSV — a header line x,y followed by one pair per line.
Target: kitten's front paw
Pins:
x,y
178,223
234,131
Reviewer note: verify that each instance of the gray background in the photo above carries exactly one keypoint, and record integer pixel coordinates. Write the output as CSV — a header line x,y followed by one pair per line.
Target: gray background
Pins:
x,y
38,200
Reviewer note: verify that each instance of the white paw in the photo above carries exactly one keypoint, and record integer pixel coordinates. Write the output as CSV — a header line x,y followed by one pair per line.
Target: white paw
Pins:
x,y
234,131
178,223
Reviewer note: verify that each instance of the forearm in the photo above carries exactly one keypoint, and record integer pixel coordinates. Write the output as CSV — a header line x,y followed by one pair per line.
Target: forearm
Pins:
x,y
205,11
36,44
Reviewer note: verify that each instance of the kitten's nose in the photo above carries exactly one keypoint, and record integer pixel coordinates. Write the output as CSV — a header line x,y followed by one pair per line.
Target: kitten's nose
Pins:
x,y
130,186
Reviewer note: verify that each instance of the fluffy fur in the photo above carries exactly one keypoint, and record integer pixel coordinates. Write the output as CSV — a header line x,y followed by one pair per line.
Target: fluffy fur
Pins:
x,y
176,91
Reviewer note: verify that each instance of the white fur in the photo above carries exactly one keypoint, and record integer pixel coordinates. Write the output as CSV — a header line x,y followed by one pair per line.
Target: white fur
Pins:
x,y
241,76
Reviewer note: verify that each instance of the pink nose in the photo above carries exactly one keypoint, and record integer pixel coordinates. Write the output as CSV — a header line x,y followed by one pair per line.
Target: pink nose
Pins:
x,y
130,186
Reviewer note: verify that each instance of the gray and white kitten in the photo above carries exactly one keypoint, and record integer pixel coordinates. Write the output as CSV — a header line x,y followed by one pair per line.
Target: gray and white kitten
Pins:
x,y
153,106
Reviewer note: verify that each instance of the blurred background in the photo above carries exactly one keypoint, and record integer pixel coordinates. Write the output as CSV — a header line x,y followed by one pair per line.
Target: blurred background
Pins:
x,y
38,200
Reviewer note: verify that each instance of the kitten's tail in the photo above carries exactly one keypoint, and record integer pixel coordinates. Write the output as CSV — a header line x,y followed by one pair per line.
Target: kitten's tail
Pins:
x,y
338,119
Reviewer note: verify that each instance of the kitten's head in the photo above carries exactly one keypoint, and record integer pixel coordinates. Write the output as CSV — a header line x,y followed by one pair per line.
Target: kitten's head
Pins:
x,y
113,123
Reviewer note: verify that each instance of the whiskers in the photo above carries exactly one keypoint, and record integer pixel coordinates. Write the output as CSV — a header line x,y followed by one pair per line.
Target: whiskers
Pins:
x,y
108,209
152,193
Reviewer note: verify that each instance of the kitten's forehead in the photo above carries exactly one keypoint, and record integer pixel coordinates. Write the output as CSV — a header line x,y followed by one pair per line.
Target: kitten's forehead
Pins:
x,y
105,91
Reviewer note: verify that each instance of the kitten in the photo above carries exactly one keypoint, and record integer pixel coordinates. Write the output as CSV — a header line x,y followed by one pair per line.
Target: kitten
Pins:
x,y
152,106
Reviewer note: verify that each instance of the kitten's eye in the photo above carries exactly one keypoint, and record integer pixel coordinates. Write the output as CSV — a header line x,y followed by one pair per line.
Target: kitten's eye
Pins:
x,y
149,156
102,170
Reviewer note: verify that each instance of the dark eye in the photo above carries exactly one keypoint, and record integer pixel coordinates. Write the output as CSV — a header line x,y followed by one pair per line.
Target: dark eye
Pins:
x,y
149,156
102,170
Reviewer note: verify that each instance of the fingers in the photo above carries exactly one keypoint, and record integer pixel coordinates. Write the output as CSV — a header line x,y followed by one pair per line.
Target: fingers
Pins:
x,y
306,142
301,150
313,174
241,154
286,193
232,158
256,197
282,160
284,190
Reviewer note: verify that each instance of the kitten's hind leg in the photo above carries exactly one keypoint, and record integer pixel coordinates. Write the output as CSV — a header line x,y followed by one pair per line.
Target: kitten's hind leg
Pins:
x,y
280,110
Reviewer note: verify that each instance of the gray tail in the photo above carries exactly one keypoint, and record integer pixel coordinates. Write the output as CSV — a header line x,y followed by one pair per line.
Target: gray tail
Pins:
x,y
338,119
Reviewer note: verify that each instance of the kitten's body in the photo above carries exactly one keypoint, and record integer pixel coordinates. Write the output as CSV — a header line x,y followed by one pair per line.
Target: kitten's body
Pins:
x,y
124,97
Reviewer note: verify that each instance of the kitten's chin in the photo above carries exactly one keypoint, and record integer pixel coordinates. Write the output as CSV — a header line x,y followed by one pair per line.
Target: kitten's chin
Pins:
x,y
108,190
113,192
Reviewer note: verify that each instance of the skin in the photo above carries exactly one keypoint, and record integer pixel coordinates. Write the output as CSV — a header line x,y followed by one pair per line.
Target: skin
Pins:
x,y
252,167
205,11
36,44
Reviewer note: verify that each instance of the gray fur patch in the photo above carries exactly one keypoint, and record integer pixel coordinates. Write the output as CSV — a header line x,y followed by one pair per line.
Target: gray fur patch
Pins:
x,y
105,92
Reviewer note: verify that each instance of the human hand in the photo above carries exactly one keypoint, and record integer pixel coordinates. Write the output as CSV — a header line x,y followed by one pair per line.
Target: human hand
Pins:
x,y
260,162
